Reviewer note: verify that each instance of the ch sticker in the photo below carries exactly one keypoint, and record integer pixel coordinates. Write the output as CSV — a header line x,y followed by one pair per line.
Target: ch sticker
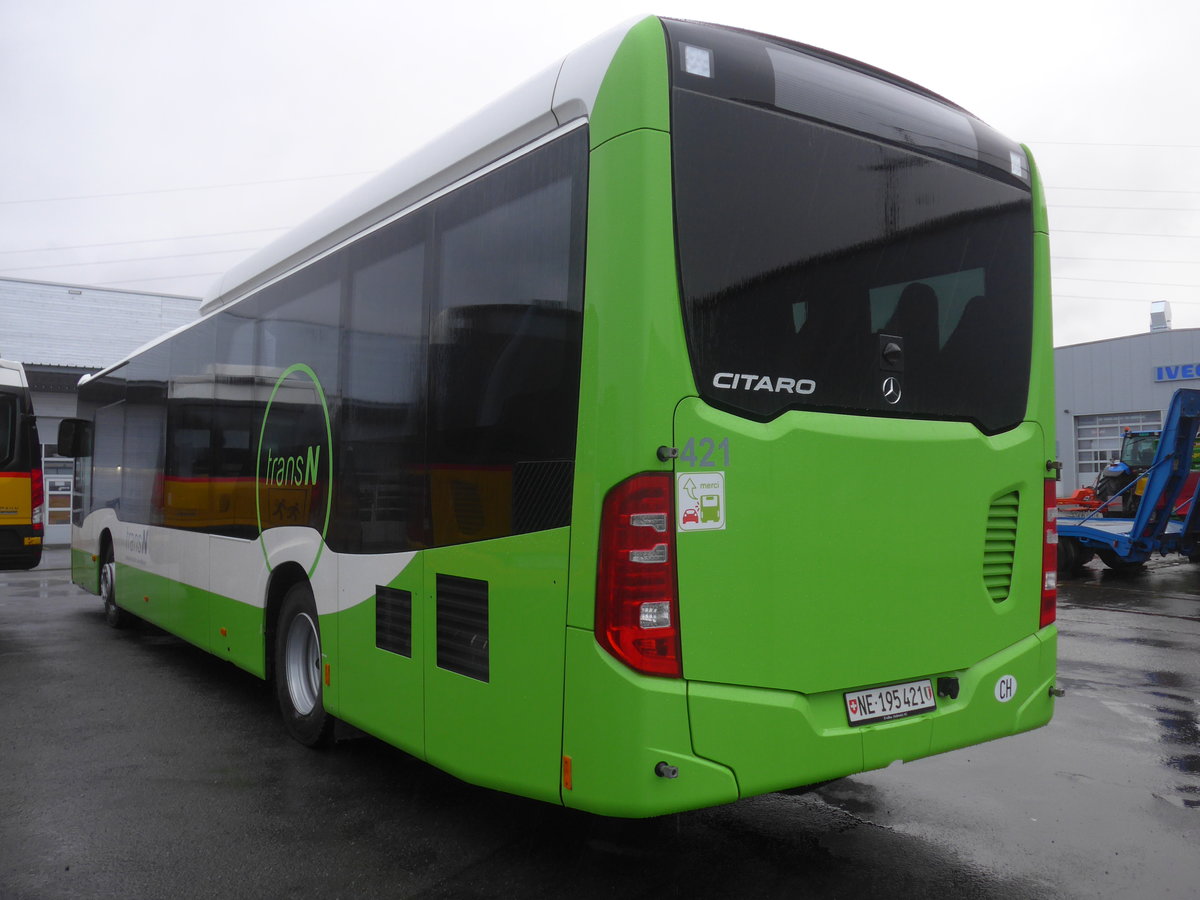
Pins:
x,y
700,501
1006,688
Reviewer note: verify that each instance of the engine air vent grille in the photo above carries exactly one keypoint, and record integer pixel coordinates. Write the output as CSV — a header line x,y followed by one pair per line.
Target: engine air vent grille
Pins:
x,y
462,626
1000,546
393,620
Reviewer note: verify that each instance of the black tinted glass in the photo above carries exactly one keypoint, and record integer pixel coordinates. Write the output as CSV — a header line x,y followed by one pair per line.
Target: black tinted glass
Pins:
x,y
143,447
825,270
380,504
240,392
505,341
298,339
9,408
773,73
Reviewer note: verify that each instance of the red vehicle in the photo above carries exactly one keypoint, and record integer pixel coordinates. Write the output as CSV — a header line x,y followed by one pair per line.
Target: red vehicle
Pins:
x,y
1082,502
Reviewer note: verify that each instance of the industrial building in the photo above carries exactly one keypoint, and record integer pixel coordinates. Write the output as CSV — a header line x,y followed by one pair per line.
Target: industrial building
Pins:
x,y
61,332
1105,387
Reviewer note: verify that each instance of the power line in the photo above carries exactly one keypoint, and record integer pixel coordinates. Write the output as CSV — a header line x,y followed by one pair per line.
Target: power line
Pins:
x,y
1122,299
1118,259
160,278
1122,190
106,262
1107,144
1194,237
186,237
207,187
1117,281
1135,208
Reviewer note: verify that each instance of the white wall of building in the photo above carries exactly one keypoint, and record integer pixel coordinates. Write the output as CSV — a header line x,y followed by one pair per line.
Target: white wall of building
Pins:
x,y
1105,386
72,325
63,331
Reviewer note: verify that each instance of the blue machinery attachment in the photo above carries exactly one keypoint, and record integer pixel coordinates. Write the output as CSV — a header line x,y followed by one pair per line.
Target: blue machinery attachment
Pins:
x,y
1152,530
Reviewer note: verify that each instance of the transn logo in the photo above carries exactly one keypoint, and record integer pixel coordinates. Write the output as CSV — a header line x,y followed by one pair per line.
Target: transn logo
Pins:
x,y
293,471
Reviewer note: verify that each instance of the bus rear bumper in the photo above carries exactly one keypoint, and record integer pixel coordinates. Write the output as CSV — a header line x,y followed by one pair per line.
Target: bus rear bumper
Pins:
x,y
20,547
619,726
774,740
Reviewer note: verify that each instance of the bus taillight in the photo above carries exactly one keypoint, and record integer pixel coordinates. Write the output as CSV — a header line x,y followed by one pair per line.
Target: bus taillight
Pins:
x,y
37,497
637,611
1049,555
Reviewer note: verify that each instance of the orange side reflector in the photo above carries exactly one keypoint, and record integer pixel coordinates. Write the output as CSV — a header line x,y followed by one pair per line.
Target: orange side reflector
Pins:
x,y
326,674
224,632
146,599
566,773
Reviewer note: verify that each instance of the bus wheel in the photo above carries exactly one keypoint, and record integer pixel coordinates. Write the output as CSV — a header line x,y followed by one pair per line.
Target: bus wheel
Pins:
x,y
298,667
113,614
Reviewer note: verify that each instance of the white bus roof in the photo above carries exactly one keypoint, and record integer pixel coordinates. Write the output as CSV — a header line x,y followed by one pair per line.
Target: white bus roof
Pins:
x,y
12,374
560,94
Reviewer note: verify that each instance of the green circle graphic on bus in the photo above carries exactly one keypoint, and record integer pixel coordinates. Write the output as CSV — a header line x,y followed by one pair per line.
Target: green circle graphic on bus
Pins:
x,y
294,468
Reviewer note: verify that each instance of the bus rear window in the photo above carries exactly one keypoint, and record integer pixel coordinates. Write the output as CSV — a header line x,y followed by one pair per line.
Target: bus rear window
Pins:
x,y
828,270
8,428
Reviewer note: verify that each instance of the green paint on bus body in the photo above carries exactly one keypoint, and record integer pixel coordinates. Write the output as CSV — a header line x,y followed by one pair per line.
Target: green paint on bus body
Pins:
x,y
85,570
1041,407
633,329
196,615
504,732
635,93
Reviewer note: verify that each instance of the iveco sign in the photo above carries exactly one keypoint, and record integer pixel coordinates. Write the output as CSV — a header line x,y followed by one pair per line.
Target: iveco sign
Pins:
x,y
1177,373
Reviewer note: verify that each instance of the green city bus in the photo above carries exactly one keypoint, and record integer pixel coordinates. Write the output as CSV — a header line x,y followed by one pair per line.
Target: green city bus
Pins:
x,y
676,430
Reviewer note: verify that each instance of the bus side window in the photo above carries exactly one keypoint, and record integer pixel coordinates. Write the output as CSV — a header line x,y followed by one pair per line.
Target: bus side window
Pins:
x,y
380,504
505,343
9,430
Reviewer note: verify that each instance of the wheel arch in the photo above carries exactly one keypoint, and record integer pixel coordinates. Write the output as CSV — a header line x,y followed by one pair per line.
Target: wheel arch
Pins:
x,y
106,543
281,580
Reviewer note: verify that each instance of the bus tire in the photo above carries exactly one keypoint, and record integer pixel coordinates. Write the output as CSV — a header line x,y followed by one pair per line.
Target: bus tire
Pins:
x,y
298,668
113,614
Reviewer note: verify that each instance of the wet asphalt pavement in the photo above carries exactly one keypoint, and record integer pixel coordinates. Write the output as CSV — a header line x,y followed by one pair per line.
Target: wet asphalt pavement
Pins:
x,y
133,765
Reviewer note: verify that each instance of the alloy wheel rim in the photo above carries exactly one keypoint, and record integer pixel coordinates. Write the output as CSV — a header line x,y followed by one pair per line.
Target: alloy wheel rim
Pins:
x,y
302,664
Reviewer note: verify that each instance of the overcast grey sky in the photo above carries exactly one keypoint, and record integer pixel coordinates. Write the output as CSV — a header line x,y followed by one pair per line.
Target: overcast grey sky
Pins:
x,y
151,145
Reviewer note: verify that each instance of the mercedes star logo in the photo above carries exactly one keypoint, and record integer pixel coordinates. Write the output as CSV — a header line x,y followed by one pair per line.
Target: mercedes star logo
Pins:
x,y
891,389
